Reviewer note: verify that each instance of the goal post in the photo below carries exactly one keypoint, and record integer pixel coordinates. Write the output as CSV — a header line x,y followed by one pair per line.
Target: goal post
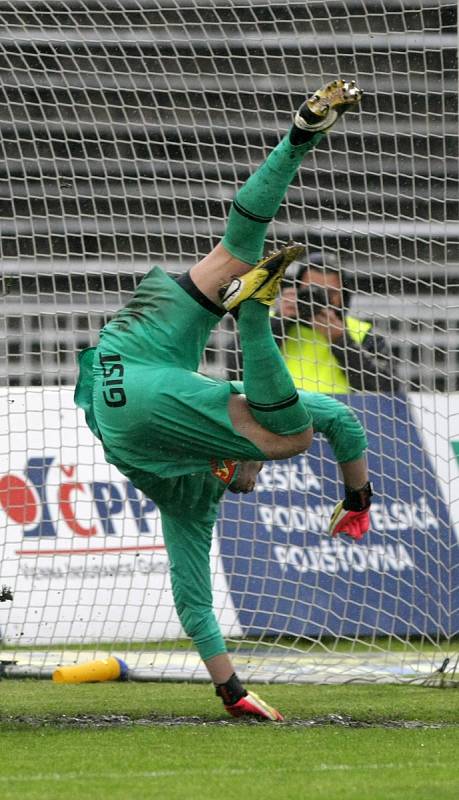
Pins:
x,y
126,126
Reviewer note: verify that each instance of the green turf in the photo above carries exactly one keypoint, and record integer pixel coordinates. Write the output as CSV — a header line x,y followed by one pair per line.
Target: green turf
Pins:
x,y
43,756
205,763
383,702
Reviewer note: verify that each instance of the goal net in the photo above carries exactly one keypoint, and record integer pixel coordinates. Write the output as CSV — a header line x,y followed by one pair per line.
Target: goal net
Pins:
x,y
126,126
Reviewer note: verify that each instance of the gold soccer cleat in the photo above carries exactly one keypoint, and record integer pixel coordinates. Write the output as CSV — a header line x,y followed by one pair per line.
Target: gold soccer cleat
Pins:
x,y
320,112
262,282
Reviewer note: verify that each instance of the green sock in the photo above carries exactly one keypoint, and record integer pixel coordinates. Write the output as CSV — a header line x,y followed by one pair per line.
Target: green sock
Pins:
x,y
268,385
259,198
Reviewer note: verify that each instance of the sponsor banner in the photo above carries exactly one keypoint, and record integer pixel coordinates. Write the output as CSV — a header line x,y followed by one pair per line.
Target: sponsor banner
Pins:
x,y
287,576
81,547
83,551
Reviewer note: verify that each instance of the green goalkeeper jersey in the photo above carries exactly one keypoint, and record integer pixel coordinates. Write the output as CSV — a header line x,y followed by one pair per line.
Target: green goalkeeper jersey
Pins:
x,y
159,419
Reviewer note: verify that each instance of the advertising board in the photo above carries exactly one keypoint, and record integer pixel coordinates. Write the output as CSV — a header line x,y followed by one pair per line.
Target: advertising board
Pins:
x,y
286,576
81,547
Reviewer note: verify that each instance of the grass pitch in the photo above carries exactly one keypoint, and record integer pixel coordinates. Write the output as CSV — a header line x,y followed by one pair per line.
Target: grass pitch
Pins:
x,y
172,741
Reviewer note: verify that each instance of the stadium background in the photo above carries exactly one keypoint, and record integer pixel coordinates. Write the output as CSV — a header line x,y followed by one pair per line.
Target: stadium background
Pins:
x,y
125,127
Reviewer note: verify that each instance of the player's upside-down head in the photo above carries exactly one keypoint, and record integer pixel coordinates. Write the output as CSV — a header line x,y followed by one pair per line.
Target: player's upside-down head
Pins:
x,y
246,477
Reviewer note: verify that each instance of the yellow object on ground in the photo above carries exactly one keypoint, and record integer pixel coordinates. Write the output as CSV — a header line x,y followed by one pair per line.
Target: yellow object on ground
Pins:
x,y
108,669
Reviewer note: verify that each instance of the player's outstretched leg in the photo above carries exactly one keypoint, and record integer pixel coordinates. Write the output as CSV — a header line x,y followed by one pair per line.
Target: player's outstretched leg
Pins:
x,y
188,537
259,199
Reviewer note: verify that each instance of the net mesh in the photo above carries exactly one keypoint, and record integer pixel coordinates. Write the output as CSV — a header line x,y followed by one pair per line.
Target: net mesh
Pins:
x,y
125,127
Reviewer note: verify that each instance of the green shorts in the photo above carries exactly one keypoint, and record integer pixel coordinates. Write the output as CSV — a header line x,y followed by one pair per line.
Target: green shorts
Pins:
x,y
154,411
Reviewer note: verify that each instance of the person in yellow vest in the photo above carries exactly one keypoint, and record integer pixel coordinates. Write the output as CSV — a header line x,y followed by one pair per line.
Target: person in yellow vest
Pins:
x,y
326,348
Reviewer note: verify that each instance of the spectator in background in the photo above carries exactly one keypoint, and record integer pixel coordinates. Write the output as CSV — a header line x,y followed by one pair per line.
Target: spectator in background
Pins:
x,y
325,348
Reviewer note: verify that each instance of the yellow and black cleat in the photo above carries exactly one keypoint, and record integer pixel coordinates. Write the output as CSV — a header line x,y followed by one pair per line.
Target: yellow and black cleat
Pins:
x,y
324,107
262,282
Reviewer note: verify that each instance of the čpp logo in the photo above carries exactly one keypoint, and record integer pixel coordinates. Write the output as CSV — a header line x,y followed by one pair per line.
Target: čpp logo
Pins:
x,y
37,503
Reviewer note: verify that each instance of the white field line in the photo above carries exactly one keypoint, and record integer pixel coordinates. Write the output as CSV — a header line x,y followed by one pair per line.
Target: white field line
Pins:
x,y
86,777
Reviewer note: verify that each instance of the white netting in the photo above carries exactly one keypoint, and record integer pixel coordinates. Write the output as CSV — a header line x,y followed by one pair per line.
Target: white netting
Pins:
x,y
125,127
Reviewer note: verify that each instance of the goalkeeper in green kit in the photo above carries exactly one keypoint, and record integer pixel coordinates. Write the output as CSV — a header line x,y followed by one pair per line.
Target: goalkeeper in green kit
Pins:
x,y
183,438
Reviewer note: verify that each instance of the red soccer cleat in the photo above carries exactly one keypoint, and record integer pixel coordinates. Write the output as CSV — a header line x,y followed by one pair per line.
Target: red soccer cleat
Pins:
x,y
253,706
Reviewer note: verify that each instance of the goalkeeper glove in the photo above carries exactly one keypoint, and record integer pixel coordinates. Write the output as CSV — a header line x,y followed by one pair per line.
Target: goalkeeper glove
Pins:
x,y
351,516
